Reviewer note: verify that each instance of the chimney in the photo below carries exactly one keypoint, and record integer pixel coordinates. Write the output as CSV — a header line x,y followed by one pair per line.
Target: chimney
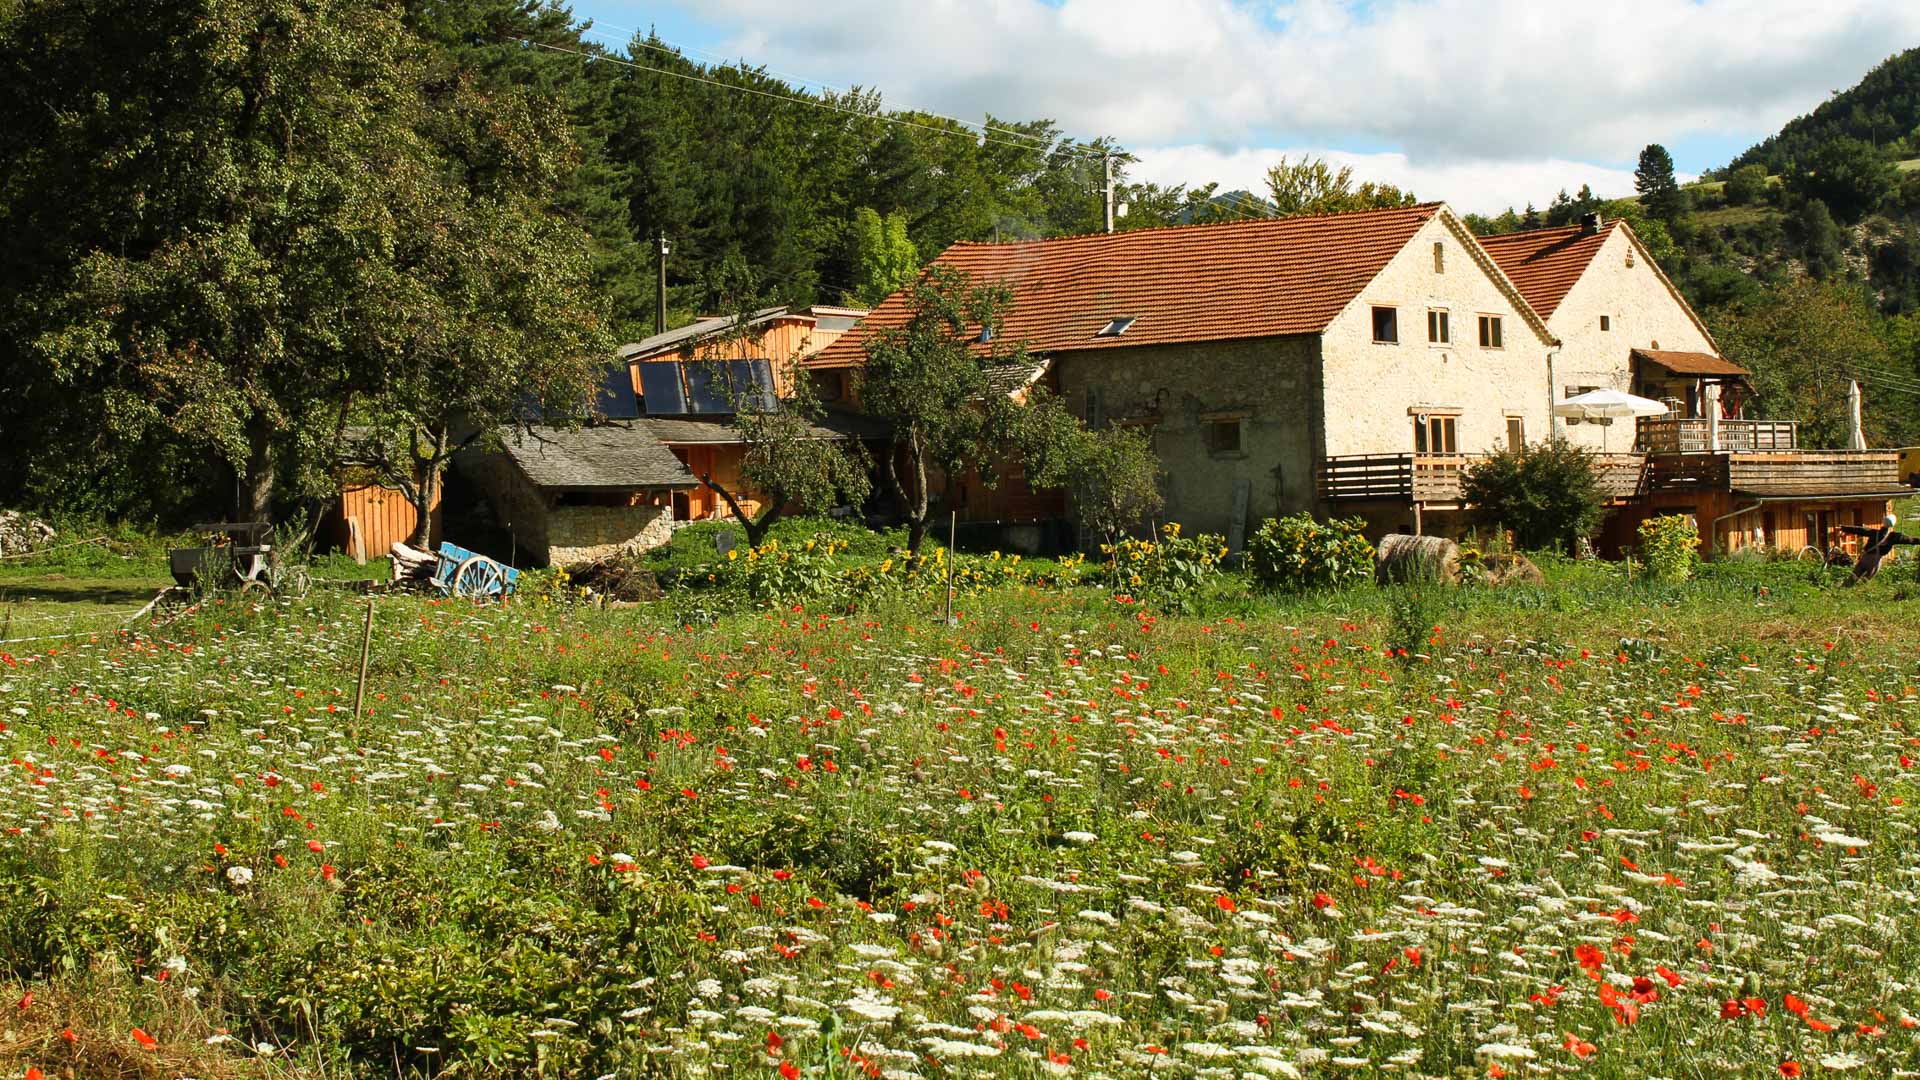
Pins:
x,y
1590,224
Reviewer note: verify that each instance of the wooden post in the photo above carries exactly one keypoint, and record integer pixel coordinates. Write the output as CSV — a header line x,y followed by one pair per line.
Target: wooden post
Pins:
x,y
366,649
953,528
1419,525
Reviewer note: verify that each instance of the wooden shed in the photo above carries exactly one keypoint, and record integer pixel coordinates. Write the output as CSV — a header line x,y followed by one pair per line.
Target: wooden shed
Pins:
x,y
369,519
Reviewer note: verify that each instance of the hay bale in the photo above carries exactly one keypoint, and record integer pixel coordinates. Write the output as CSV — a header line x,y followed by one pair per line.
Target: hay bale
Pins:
x,y
1513,570
1416,560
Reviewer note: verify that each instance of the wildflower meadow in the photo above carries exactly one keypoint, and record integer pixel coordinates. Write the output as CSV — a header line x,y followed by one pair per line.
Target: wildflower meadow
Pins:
x,y
1603,828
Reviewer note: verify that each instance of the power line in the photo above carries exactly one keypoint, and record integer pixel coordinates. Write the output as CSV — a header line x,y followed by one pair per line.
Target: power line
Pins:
x,y
794,99
674,48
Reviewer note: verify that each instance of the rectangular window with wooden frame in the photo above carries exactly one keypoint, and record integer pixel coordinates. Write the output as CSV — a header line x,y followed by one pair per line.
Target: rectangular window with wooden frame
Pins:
x,y
1435,435
1490,332
1438,331
1516,433
1386,326
1223,437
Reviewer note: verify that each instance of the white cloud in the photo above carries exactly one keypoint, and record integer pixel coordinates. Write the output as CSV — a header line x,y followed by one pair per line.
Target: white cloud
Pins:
x,y
1489,95
1483,187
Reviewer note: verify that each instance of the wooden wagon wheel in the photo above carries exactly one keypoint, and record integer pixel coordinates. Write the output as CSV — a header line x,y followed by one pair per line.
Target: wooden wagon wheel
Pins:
x,y
479,578
255,591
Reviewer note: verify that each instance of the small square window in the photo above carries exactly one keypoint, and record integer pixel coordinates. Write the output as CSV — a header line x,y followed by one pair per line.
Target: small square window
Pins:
x,y
1490,332
1117,326
1223,436
1386,325
1606,322
1438,332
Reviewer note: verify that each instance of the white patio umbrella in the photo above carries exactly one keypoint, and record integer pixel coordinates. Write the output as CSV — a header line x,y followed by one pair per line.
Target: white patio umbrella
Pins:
x,y
1856,430
1608,404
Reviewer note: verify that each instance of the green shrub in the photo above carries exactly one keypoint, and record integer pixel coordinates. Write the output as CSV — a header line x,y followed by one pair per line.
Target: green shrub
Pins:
x,y
1169,570
1297,553
1548,493
1668,543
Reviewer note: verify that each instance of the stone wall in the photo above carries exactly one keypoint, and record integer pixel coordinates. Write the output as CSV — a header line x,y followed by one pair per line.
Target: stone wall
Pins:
x,y
1373,390
517,505
1640,310
1269,387
582,534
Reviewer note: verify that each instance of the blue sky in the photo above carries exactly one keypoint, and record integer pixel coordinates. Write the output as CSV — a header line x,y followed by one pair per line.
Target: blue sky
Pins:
x,y
1483,103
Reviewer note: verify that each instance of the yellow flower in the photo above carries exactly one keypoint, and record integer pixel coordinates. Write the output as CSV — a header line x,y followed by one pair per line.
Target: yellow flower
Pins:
x,y
732,554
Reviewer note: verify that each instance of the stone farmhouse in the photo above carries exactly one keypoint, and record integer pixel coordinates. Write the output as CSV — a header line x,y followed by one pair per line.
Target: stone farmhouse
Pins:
x,y
1359,363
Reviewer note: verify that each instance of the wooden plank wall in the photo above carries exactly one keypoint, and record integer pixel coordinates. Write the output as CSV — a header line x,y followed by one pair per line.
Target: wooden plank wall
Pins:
x,y
384,516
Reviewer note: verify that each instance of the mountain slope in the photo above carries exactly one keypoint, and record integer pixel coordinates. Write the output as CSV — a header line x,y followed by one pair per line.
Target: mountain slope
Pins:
x,y
1883,109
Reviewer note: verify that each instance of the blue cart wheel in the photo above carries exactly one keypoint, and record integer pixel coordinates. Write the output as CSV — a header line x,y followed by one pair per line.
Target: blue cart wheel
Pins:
x,y
478,578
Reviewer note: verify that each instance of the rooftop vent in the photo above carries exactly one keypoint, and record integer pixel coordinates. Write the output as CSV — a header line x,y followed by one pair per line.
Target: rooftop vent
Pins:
x,y
986,333
1590,224
1117,327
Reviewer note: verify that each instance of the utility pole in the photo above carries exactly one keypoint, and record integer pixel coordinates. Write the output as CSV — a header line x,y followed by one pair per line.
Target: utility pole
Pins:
x,y
1106,165
661,249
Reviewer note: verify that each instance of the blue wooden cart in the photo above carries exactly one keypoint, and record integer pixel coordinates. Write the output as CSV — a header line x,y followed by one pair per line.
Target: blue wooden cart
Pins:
x,y
466,574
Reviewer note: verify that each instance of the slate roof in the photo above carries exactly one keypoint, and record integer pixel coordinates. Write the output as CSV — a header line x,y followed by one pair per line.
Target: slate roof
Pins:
x,y
1250,279
834,424
1544,264
1690,363
681,335
606,457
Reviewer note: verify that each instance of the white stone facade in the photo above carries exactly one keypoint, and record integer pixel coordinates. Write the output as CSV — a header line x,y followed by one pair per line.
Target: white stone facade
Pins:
x,y
1642,311
1373,391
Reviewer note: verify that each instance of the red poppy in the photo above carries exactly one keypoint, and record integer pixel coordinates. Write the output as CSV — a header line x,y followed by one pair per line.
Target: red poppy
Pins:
x,y
1789,1068
144,1039
789,1071
1225,903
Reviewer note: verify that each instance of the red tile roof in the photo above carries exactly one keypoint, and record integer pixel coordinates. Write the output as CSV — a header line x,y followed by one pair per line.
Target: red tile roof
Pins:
x,y
1545,263
1250,279
1691,363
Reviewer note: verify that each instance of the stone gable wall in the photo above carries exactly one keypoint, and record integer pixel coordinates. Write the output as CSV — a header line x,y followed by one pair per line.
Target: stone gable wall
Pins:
x,y
1371,388
1274,382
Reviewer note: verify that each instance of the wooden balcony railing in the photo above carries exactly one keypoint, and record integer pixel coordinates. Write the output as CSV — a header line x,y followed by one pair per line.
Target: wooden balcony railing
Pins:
x,y
1664,435
1782,472
1437,478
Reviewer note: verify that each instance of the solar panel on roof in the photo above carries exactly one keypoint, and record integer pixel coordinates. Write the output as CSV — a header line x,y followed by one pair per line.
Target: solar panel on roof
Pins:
x,y
752,382
660,386
705,394
616,400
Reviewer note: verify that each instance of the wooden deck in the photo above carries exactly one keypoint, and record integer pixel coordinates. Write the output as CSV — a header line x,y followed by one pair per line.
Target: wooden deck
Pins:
x,y
1777,472
1661,435
1435,479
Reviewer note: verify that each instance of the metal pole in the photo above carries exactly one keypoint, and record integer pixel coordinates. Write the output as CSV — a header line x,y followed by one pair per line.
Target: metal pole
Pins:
x,y
953,526
1106,165
366,648
660,312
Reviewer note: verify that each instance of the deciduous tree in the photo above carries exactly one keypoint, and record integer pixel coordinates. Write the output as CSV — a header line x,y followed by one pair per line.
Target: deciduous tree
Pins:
x,y
930,379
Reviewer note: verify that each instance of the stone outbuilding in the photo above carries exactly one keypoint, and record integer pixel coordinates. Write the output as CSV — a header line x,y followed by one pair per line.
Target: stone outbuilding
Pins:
x,y
570,496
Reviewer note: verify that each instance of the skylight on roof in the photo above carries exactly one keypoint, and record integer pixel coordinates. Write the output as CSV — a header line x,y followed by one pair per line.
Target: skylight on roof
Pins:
x,y
1117,327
